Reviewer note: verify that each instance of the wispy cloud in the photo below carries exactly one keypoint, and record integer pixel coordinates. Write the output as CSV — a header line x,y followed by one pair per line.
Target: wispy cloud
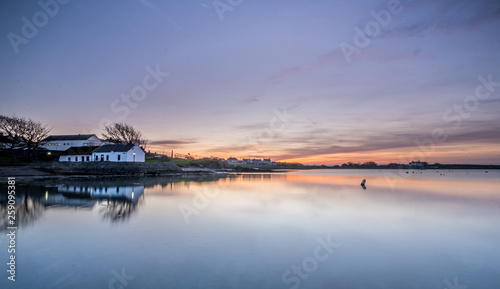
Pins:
x,y
154,7
334,57
251,127
390,141
173,142
445,16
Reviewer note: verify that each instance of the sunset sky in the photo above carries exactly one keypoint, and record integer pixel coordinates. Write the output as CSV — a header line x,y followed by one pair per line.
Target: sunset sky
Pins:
x,y
318,82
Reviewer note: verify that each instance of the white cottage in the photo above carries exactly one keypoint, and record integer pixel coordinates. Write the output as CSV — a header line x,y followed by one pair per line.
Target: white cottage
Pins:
x,y
119,153
78,154
64,142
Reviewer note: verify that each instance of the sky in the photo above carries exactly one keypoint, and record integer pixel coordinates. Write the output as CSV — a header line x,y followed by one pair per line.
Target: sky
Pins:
x,y
316,82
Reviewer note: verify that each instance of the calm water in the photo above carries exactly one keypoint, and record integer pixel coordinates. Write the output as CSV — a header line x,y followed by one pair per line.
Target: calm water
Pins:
x,y
304,229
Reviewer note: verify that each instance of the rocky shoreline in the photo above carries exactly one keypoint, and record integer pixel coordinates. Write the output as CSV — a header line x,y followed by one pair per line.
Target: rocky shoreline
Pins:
x,y
48,169
106,168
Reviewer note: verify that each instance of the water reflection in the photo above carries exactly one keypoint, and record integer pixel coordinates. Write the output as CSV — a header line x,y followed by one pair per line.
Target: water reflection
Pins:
x,y
248,229
115,199
28,208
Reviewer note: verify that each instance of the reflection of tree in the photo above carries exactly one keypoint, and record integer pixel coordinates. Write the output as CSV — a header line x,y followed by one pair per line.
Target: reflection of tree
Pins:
x,y
28,210
118,210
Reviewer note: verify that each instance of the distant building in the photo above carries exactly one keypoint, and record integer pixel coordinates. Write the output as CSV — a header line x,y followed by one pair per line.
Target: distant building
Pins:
x,y
64,142
418,164
119,153
232,160
78,154
257,161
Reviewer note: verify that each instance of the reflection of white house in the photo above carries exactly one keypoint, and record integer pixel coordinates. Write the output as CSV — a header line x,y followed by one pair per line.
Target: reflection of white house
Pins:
x,y
130,193
64,142
119,153
58,200
125,192
77,154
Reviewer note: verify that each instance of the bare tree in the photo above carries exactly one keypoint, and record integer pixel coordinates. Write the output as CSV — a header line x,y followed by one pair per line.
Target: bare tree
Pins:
x,y
33,135
11,128
122,132
22,133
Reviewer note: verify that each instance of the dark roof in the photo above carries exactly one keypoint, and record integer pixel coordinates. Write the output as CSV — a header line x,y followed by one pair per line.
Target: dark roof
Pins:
x,y
114,148
69,137
80,151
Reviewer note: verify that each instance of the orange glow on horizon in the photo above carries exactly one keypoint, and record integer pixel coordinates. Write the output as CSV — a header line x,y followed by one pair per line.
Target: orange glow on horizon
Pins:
x,y
452,154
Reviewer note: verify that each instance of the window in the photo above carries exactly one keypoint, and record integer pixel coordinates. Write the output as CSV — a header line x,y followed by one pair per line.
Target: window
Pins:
x,y
83,158
76,159
119,157
88,158
69,159
107,157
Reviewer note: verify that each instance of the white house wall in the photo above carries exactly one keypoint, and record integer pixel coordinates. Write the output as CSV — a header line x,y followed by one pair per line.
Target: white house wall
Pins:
x,y
110,157
140,156
75,158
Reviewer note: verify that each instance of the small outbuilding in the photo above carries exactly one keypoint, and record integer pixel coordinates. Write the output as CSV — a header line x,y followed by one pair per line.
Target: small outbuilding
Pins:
x,y
78,154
